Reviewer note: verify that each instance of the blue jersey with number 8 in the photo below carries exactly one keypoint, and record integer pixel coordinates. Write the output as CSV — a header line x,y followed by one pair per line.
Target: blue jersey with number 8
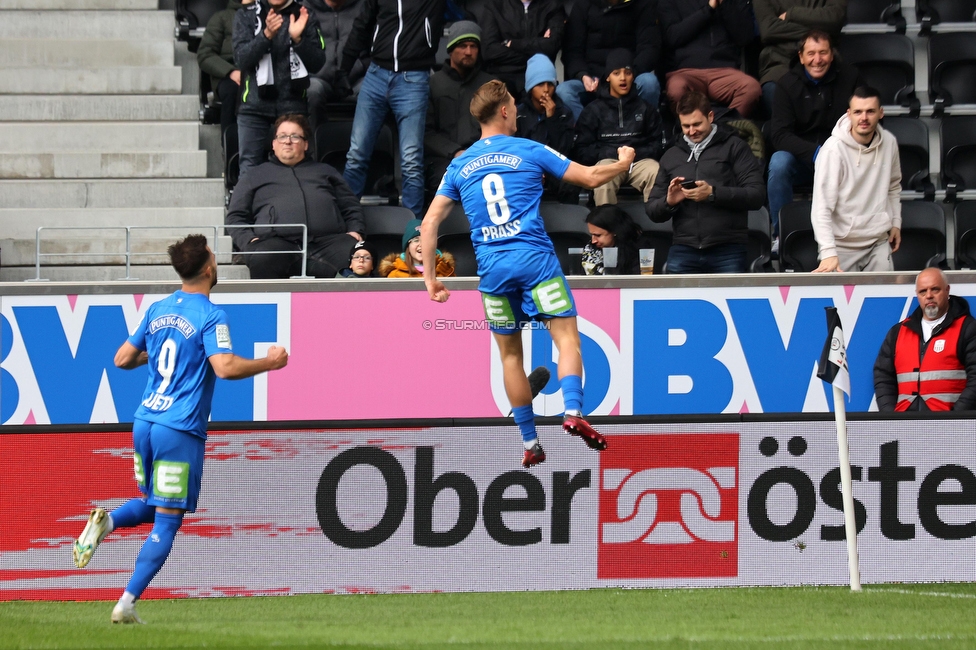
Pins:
x,y
180,333
499,182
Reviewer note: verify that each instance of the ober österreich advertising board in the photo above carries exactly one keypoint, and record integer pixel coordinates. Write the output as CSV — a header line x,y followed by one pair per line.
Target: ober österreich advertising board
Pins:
x,y
449,509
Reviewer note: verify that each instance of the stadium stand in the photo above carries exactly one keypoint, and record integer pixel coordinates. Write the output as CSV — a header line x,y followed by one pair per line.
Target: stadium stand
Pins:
x,y
964,225
952,70
192,17
566,225
331,143
798,248
913,150
886,62
923,236
958,137
760,241
930,13
874,15
454,236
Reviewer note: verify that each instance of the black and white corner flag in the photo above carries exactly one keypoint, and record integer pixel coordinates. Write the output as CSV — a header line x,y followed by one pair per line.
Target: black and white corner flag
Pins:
x,y
833,359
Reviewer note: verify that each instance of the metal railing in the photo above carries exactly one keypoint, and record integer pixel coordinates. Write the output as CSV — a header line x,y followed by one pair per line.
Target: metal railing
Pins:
x,y
129,253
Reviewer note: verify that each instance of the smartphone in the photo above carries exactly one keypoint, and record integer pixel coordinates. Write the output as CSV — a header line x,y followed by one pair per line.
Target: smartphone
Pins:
x,y
689,184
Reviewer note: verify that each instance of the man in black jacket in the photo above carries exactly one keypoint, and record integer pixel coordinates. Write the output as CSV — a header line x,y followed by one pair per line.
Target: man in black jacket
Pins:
x,y
294,189
618,117
809,100
402,38
928,361
596,27
276,46
450,126
514,31
704,40
709,180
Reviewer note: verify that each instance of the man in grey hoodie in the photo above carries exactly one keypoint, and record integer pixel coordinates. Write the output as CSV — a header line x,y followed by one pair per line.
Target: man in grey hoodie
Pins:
x,y
856,212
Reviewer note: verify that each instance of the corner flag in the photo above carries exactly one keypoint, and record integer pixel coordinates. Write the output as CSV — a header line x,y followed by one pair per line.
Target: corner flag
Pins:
x,y
833,360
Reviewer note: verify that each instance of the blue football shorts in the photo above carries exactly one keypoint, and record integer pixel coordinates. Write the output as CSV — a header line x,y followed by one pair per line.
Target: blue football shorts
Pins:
x,y
522,285
168,465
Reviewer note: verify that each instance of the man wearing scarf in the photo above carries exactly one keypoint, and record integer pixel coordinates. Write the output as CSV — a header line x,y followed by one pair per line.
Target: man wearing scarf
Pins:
x,y
708,182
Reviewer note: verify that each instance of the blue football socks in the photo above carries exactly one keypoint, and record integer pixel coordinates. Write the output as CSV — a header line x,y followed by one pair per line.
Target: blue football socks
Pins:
x,y
154,552
572,386
132,513
525,419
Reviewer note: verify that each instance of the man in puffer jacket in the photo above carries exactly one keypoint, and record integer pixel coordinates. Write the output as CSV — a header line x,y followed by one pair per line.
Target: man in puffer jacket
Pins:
x,y
617,118
277,45
856,212
292,189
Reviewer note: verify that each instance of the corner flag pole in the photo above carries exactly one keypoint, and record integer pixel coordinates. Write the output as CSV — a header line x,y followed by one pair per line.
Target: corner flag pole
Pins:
x,y
833,370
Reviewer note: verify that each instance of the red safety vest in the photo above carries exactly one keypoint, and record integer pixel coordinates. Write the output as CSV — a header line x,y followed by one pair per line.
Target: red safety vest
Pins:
x,y
939,379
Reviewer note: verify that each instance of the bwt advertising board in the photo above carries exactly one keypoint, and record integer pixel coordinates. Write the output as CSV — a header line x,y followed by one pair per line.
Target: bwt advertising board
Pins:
x,y
359,355
449,509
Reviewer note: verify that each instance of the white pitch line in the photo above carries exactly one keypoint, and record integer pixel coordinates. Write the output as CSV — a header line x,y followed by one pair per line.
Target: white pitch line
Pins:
x,y
923,593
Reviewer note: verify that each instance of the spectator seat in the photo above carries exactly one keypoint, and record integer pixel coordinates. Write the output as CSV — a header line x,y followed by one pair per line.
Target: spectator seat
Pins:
x,y
923,236
192,17
798,248
913,150
454,236
952,70
964,217
958,136
934,12
232,158
332,144
760,241
566,226
886,62
874,12
384,229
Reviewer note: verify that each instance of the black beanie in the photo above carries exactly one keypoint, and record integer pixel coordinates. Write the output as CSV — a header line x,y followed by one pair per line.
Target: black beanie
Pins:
x,y
619,58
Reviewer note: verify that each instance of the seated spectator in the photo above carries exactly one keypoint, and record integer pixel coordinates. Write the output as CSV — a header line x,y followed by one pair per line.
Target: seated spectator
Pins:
x,y
810,98
928,361
291,188
410,263
704,40
596,27
709,180
611,227
216,58
335,20
543,117
360,263
450,127
276,45
617,118
782,24
514,31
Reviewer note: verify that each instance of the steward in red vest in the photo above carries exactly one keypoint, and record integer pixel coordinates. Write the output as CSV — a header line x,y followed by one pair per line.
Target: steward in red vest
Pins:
x,y
911,374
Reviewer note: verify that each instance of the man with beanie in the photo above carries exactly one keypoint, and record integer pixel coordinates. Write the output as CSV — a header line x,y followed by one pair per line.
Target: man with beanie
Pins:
x,y
704,41
543,117
515,30
708,182
360,263
402,39
619,117
856,212
277,45
596,27
450,127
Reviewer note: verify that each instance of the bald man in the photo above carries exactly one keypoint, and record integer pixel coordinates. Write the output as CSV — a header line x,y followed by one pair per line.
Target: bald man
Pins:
x,y
928,361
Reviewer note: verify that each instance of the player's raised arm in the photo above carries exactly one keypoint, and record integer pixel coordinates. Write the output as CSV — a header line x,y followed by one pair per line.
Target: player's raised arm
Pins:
x,y
231,366
439,209
597,175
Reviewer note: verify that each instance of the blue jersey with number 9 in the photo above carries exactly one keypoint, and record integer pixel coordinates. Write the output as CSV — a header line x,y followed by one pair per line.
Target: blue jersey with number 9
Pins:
x,y
180,333
499,182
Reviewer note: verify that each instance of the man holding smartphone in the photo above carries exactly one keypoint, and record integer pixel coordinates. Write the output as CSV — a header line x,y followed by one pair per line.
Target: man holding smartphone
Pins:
x,y
707,183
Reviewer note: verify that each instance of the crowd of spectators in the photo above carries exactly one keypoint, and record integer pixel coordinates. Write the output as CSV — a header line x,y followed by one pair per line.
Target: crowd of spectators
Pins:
x,y
701,163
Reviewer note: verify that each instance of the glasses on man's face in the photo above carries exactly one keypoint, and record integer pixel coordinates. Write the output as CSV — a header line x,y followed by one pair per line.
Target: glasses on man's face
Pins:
x,y
362,258
285,137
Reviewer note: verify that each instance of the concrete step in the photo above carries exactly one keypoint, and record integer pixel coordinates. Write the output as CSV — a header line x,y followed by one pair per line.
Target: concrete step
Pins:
x,y
90,81
18,137
176,164
97,273
96,25
93,108
79,5
156,193
171,222
101,248
89,53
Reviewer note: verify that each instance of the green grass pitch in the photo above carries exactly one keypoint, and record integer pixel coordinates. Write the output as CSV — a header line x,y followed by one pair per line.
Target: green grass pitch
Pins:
x,y
882,616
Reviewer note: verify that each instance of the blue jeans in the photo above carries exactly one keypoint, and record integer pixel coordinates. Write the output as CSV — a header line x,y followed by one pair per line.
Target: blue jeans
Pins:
x,y
252,138
724,258
785,171
405,93
574,95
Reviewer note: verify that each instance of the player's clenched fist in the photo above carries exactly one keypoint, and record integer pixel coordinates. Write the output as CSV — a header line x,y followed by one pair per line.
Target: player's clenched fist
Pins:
x,y
278,356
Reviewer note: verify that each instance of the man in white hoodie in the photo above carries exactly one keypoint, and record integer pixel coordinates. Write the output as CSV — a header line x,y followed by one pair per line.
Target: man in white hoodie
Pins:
x,y
856,211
